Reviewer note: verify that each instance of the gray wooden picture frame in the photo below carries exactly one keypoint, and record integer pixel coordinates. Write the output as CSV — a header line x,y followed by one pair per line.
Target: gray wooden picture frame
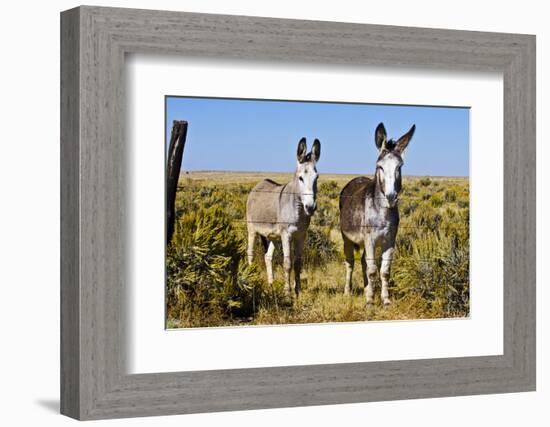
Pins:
x,y
94,381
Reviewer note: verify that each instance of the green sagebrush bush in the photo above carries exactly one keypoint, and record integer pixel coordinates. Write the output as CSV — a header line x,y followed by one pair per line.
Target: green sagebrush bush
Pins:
x,y
326,215
437,201
432,260
327,205
435,267
329,189
451,195
319,249
208,277
199,196
423,217
425,181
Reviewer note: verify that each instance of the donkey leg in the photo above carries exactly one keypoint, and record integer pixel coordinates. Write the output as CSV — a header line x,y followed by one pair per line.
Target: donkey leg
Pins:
x,y
369,270
250,246
269,262
298,250
368,289
387,256
287,261
349,261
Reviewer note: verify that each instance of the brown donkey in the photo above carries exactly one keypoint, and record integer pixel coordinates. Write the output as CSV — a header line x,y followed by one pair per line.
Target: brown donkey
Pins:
x,y
369,216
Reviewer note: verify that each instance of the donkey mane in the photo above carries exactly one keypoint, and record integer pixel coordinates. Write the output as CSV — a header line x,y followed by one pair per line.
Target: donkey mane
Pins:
x,y
390,144
307,158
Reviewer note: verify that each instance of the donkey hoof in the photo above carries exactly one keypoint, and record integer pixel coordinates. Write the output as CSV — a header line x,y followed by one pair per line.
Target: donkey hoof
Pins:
x,y
370,303
387,301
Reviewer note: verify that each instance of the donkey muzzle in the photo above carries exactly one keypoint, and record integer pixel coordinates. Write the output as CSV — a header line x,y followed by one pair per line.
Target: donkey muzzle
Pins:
x,y
392,199
310,209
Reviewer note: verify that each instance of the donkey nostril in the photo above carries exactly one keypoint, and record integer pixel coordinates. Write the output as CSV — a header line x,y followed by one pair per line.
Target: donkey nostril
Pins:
x,y
310,209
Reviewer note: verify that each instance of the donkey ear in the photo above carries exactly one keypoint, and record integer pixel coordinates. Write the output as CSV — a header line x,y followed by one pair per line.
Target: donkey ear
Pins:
x,y
380,136
404,141
316,150
302,149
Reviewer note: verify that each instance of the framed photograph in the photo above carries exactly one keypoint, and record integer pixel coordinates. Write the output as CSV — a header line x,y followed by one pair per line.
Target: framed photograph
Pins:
x,y
262,213
286,210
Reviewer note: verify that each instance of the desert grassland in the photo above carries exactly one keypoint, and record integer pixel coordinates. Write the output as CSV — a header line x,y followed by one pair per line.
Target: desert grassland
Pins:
x,y
209,282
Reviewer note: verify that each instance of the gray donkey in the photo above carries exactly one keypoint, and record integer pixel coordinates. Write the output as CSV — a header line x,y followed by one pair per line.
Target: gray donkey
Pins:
x,y
276,211
369,216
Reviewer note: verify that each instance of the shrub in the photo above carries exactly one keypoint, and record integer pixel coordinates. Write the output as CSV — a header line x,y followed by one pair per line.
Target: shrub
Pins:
x,y
463,204
426,217
436,200
319,249
450,195
409,207
450,213
207,277
326,215
329,189
425,181
437,270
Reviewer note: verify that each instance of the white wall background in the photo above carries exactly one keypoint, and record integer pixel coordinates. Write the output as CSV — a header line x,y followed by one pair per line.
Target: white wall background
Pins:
x,y
29,218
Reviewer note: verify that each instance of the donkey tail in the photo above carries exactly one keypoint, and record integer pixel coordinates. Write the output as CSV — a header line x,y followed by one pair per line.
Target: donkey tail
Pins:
x,y
265,243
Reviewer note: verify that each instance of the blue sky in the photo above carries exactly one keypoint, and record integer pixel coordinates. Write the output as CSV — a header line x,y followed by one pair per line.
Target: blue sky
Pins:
x,y
252,135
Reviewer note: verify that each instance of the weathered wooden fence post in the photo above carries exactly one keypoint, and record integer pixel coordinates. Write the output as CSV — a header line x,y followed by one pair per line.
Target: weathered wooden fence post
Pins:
x,y
175,156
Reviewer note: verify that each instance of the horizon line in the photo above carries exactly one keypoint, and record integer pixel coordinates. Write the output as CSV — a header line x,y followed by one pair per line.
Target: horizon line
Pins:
x,y
320,174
